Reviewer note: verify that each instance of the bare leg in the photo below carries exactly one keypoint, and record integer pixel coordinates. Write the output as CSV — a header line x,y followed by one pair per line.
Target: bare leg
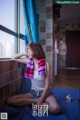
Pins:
x,y
53,106
23,99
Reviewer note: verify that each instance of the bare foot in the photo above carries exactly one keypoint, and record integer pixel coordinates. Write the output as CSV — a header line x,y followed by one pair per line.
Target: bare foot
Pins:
x,y
68,98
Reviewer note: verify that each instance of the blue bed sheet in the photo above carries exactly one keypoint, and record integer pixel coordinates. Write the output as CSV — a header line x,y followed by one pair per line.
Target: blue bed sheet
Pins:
x,y
70,110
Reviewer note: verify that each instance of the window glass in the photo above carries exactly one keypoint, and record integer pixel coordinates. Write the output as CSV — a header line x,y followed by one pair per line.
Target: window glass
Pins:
x,y
22,26
8,14
7,45
22,46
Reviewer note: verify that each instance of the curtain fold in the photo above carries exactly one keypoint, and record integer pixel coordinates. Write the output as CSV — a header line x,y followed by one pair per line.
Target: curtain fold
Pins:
x,y
30,21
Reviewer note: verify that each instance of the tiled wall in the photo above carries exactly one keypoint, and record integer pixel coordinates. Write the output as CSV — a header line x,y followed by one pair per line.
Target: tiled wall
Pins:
x,y
45,24
60,36
10,79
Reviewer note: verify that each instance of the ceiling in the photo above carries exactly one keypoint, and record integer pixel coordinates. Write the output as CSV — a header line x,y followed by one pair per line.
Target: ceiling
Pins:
x,y
69,13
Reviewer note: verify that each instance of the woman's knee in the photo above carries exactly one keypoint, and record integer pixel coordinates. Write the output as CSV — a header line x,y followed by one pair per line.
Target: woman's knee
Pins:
x,y
53,105
54,108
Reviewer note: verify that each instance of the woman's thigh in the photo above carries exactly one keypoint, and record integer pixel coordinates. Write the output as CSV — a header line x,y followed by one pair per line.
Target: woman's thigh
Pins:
x,y
25,95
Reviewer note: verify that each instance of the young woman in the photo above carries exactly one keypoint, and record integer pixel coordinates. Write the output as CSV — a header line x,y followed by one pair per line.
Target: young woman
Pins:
x,y
38,70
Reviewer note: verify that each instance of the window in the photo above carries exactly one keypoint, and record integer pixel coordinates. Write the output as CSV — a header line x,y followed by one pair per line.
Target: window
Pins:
x,y
22,46
8,21
7,45
11,25
22,28
7,14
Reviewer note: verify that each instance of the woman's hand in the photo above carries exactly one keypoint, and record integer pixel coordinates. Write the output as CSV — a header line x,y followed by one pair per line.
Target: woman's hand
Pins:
x,y
40,101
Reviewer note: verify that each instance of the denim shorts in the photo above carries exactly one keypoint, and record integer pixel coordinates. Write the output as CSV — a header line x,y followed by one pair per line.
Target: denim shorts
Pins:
x,y
38,93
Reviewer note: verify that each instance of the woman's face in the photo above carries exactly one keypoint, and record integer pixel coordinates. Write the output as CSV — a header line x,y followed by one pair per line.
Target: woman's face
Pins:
x,y
29,52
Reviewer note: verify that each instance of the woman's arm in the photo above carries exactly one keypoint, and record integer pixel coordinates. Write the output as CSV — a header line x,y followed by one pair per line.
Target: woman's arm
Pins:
x,y
18,58
47,83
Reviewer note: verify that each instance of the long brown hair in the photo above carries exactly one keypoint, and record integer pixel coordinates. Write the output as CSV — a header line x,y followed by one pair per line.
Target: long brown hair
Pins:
x,y
37,50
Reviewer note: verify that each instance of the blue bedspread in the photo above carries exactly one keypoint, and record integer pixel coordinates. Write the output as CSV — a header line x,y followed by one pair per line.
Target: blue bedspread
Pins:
x,y
70,110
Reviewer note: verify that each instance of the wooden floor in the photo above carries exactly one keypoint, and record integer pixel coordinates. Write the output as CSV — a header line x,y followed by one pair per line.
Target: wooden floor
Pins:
x,y
67,79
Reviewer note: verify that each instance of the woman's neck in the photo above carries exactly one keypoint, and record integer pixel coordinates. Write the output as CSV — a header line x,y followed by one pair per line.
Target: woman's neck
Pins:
x,y
35,60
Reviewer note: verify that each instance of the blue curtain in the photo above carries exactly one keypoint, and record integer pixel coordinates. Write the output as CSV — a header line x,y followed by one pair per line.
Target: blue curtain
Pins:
x,y
30,20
